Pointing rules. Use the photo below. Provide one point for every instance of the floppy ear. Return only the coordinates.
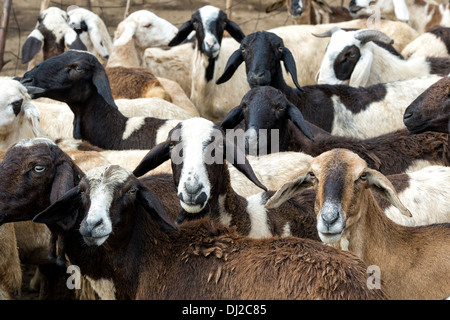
(150, 202)
(182, 34)
(289, 189)
(238, 159)
(96, 37)
(100, 81)
(275, 6)
(32, 46)
(32, 116)
(155, 157)
(401, 10)
(125, 33)
(234, 61)
(379, 183)
(234, 30)
(233, 118)
(289, 64)
(63, 208)
(361, 72)
(296, 117)
(73, 41)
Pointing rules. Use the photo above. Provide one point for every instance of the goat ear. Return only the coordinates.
(101, 82)
(97, 38)
(234, 30)
(182, 34)
(73, 41)
(290, 189)
(233, 63)
(323, 5)
(275, 6)
(32, 46)
(237, 158)
(379, 183)
(361, 72)
(233, 118)
(150, 202)
(296, 117)
(155, 157)
(65, 207)
(289, 64)
(124, 33)
(32, 116)
(401, 10)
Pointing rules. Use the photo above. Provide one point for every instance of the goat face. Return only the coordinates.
(385, 8)
(107, 198)
(71, 77)
(27, 173)
(13, 100)
(296, 8)
(266, 111)
(431, 110)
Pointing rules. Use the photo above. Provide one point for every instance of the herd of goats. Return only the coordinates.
(304, 162)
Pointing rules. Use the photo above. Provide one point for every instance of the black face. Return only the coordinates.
(346, 61)
(63, 76)
(431, 110)
(262, 55)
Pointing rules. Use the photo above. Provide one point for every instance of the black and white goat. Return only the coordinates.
(342, 110)
(204, 187)
(53, 34)
(395, 152)
(79, 79)
(353, 58)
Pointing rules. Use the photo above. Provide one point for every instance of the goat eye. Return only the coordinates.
(132, 191)
(148, 25)
(39, 169)
(363, 177)
(242, 50)
(280, 49)
(311, 175)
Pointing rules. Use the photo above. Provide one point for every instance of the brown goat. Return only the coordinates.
(146, 259)
(431, 110)
(10, 271)
(414, 261)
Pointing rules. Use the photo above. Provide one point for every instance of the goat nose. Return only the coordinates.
(192, 185)
(330, 217)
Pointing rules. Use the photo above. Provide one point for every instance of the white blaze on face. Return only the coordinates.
(208, 15)
(195, 134)
(103, 182)
(338, 41)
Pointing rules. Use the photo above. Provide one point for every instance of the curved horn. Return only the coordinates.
(372, 35)
(326, 34)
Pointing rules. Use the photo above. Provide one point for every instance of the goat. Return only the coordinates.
(421, 15)
(92, 31)
(349, 218)
(311, 11)
(97, 119)
(395, 152)
(205, 188)
(431, 110)
(53, 34)
(339, 109)
(18, 116)
(209, 24)
(352, 58)
(220, 263)
(433, 43)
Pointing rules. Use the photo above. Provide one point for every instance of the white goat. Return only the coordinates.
(353, 58)
(421, 15)
(433, 43)
(19, 118)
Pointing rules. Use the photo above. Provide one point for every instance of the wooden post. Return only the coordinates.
(3, 30)
(228, 10)
(127, 9)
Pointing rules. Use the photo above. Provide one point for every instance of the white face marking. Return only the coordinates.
(338, 41)
(259, 227)
(103, 181)
(195, 133)
(207, 15)
(133, 124)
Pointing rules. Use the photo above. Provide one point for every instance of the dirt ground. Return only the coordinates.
(249, 14)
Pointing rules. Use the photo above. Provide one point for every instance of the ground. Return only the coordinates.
(249, 14)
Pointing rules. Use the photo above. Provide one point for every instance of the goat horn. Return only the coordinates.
(372, 35)
(326, 34)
